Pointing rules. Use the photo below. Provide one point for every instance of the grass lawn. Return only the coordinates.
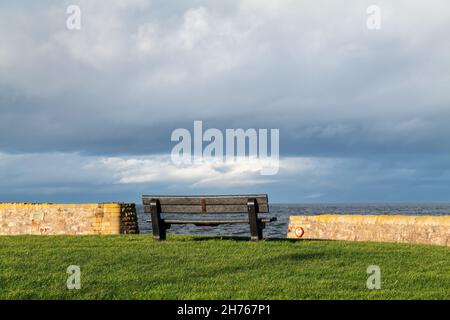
(195, 267)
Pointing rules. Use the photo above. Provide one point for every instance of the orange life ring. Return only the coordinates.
(299, 232)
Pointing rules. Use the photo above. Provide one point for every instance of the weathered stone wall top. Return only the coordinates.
(49, 218)
(384, 228)
(383, 219)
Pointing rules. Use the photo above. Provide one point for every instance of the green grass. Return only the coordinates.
(189, 267)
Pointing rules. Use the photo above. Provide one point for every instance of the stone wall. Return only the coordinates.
(384, 228)
(69, 219)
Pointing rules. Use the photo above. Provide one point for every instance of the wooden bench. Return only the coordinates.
(250, 204)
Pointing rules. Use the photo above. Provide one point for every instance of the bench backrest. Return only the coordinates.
(206, 204)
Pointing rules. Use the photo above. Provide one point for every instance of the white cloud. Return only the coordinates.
(195, 27)
(55, 168)
(242, 172)
(44, 177)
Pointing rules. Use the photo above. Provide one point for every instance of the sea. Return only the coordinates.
(278, 229)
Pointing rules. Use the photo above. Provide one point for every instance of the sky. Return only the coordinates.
(87, 115)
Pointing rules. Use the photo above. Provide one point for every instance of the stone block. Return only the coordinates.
(383, 228)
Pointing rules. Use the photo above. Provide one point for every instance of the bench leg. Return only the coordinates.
(158, 226)
(260, 230)
(255, 226)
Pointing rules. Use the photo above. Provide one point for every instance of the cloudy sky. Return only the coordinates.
(87, 115)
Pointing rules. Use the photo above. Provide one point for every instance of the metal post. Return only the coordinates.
(255, 228)
(159, 229)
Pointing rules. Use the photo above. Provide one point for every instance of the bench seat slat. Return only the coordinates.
(214, 222)
(223, 208)
(262, 199)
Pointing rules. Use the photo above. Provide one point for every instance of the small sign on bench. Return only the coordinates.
(252, 205)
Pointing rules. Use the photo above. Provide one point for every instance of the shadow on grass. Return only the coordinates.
(261, 265)
(247, 239)
(297, 257)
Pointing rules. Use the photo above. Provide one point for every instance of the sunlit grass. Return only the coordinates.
(194, 267)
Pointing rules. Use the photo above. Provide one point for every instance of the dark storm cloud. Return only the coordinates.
(125, 81)
(137, 70)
